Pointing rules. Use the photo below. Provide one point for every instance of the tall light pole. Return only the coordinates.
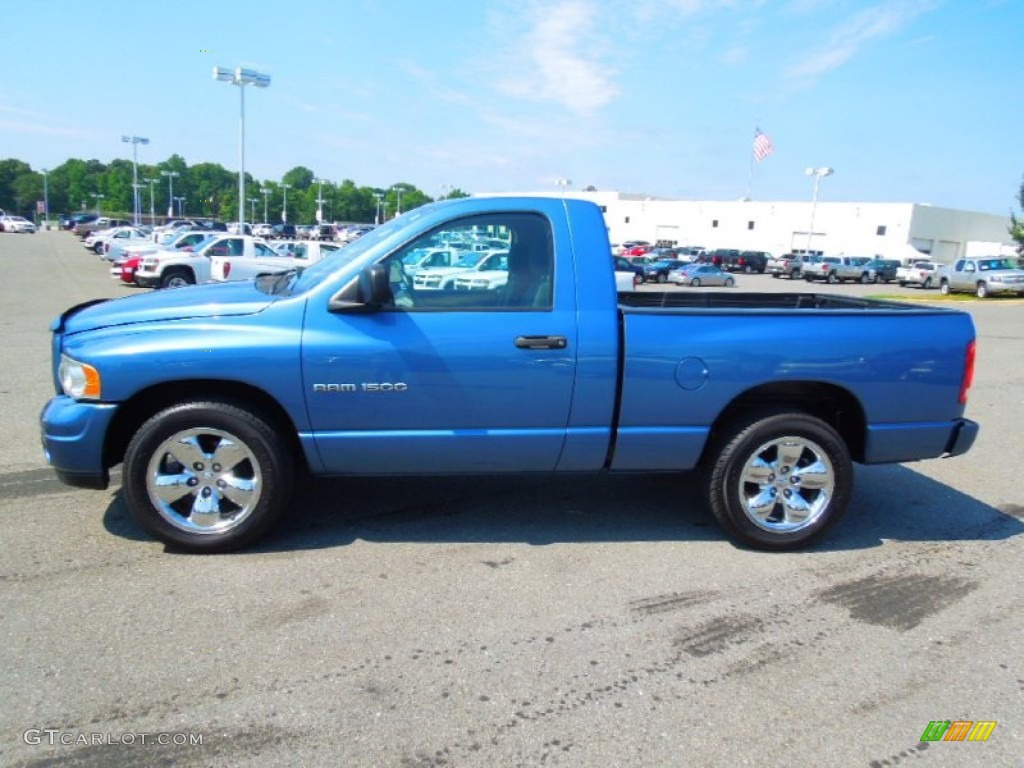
(152, 207)
(817, 173)
(398, 191)
(266, 198)
(135, 141)
(284, 209)
(562, 184)
(319, 200)
(46, 199)
(170, 191)
(181, 206)
(252, 211)
(98, 197)
(241, 78)
(379, 196)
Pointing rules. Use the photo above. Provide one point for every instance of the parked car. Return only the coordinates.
(921, 273)
(787, 265)
(657, 271)
(84, 228)
(443, 278)
(747, 261)
(882, 270)
(697, 275)
(284, 232)
(837, 269)
(622, 265)
(720, 256)
(263, 229)
(18, 224)
(100, 242)
(982, 277)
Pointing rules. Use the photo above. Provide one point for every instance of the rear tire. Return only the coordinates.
(207, 476)
(695, 282)
(944, 288)
(777, 480)
(729, 282)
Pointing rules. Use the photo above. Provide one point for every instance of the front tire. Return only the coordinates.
(981, 291)
(778, 480)
(207, 476)
(177, 278)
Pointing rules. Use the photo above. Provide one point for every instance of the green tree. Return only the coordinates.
(1017, 225)
(11, 196)
(300, 177)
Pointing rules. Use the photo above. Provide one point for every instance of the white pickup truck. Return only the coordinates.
(175, 269)
(290, 255)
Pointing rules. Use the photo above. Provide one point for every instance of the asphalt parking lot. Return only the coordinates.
(561, 622)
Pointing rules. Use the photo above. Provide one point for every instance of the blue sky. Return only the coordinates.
(909, 100)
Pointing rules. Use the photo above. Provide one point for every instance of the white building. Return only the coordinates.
(901, 231)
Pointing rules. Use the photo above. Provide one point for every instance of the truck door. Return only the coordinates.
(440, 381)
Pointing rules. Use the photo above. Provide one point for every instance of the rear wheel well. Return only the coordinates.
(834, 405)
(132, 413)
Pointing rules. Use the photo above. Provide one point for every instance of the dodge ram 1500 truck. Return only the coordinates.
(215, 396)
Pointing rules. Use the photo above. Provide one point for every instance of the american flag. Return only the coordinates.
(762, 145)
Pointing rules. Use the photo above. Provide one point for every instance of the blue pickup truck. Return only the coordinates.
(214, 397)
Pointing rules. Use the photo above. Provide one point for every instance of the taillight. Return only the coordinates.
(227, 269)
(968, 371)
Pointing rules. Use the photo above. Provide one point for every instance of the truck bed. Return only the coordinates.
(731, 300)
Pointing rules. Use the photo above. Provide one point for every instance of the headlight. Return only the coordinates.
(78, 380)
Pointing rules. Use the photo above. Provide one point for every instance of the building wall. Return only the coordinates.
(902, 231)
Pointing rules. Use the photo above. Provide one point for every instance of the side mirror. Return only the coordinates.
(373, 291)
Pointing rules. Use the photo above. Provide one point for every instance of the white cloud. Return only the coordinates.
(860, 29)
(558, 59)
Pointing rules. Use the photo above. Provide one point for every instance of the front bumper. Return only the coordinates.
(73, 435)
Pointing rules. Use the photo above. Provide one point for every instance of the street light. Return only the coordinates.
(320, 200)
(817, 173)
(379, 196)
(562, 184)
(46, 199)
(252, 209)
(398, 208)
(181, 206)
(266, 198)
(98, 198)
(241, 78)
(152, 209)
(170, 191)
(284, 209)
(135, 141)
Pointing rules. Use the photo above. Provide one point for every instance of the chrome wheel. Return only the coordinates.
(777, 480)
(786, 484)
(204, 481)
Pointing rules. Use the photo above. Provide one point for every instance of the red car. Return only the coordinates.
(125, 270)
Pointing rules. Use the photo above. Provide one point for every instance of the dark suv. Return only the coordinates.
(749, 261)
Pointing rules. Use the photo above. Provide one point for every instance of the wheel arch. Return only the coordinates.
(132, 413)
(836, 406)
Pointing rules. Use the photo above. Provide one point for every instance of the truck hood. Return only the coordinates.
(211, 300)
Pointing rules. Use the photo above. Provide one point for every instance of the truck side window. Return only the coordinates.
(496, 261)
